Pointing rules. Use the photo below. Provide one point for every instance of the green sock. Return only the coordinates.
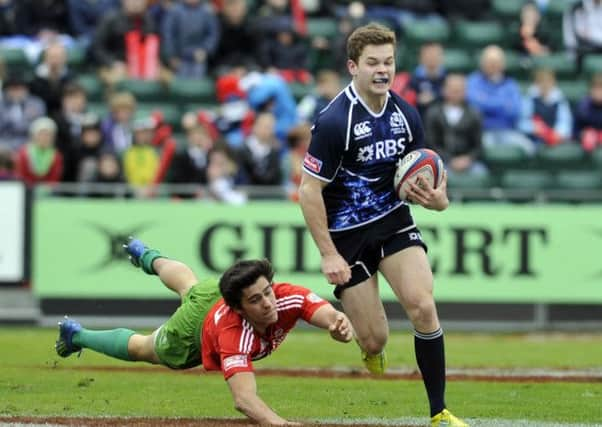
(147, 258)
(113, 342)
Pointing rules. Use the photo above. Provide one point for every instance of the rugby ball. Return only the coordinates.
(422, 162)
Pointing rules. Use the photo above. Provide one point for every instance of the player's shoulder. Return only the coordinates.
(336, 110)
(283, 290)
(405, 107)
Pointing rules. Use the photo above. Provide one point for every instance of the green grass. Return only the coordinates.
(34, 381)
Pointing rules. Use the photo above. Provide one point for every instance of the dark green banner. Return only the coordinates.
(484, 253)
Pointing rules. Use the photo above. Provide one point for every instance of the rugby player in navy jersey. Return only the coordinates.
(357, 221)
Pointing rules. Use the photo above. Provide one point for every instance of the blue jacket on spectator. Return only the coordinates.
(187, 28)
(84, 15)
(498, 102)
(587, 115)
(263, 89)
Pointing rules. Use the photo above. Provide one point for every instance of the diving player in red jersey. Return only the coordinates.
(222, 326)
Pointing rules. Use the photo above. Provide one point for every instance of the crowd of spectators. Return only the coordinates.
(254, 52)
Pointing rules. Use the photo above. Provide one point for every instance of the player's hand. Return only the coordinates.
(424, 194)
(336, 269)
(341, 329)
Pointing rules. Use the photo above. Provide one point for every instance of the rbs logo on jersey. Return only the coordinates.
(381, 150)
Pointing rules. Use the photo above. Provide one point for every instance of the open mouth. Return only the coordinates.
(382, 80)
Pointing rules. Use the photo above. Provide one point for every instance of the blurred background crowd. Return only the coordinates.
(215, 96)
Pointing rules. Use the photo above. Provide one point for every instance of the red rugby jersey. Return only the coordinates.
(230, 344)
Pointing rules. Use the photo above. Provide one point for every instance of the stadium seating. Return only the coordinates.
(507, 10)
(192, 91)
(568, 155)
(143, 90)
(422, 32)
(579, 180)
(592, 64)
(14, 59)
(559, 62)
(596, 157)
(470, 35)
(573, 90)
(322, 27)
(459, 61)
(502, 157)
(514, 179)
(92, 85)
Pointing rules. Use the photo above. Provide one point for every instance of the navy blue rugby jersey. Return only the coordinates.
(355, 151)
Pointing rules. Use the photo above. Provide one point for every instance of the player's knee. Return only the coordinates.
(374, 343)
(141, 348)
(421, 311)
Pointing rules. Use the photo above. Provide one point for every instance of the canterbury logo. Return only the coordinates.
(362, 129)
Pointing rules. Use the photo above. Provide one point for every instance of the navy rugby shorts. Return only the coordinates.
(364, 247)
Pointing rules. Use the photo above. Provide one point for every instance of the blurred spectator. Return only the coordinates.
(85, 15)
(190, 165)
(2, 73)
(354, 17)
(328, 86)
(9, 24)
(7, 164)
(69, 122)
(141, 160)
(427, 79)
(190, 36)
(546, 114)
(453, 129)
(43, 19)
(588, 116)
(18, 109)
(110, 176)
(282, 50)
(235, 117)
(582, 28)
(87, 150)
(38, 161)
(474, 10)
(221, 170)
(116, 127)
(532, 38)
(238, 38)
(401, 13)
(270, 92)
(298, 140)
(51, 76)
(497, 97)
(126, 44)
(260, 154)
(158, 10)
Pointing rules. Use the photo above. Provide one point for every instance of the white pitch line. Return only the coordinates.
(473, 422)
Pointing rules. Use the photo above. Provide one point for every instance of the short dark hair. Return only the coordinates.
(371, 34)
(242, 275)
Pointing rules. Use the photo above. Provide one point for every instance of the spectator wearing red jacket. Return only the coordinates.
(38, 161)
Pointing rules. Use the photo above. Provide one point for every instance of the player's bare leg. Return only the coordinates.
(363, 306)
(175, 275)
(410, 276)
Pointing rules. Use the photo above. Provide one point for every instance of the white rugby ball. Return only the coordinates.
(422, 162)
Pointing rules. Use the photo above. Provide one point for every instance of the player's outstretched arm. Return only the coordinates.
(334, 267)
(244, 392)
(336, 322)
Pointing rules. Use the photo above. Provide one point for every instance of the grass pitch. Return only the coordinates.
(34, 382)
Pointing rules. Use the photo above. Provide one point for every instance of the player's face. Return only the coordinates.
(374, 71)
(258, 303)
